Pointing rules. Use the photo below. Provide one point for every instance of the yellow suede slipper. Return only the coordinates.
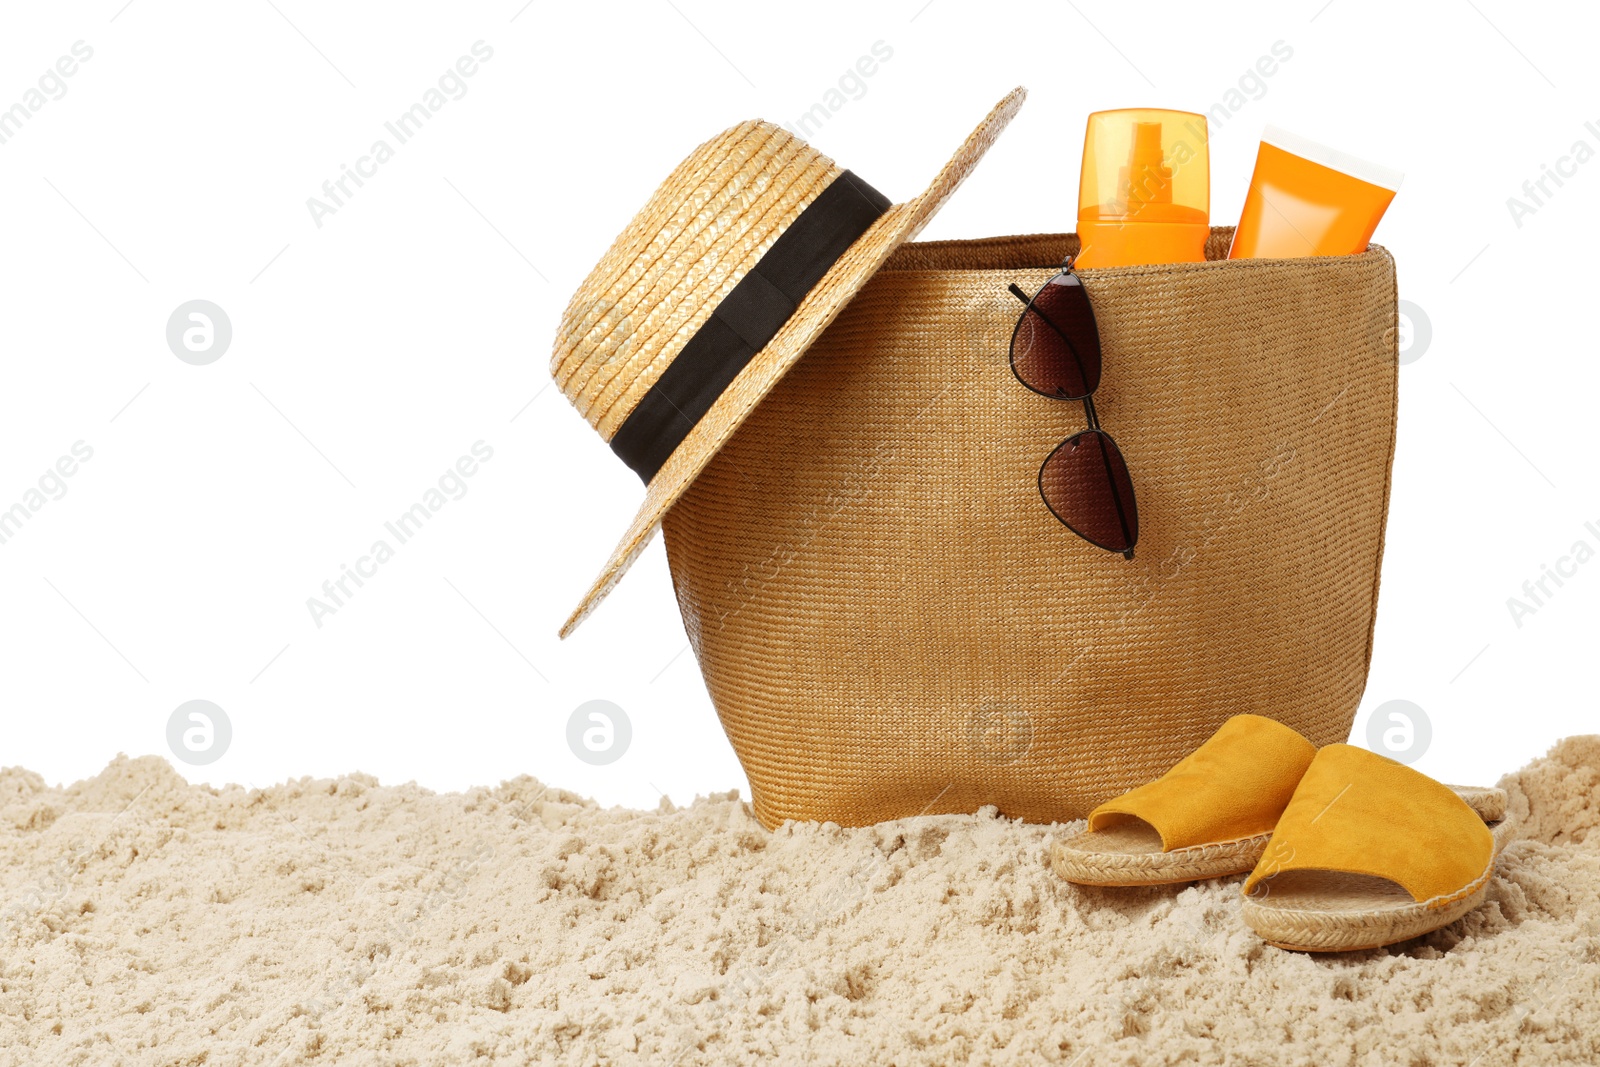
(1211, 816)
(1367, 853)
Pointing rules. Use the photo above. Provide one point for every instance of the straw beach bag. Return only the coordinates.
(891, 622)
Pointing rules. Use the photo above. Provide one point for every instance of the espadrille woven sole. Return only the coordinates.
(1487, 801)
(1329, 911)
(1130, 854)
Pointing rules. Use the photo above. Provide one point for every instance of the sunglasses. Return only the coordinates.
(1055, 351)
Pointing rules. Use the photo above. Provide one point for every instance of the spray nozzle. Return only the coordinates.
(1146, 179)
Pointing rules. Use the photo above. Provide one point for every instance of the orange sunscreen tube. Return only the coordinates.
(1145, 191)
(1307, 199)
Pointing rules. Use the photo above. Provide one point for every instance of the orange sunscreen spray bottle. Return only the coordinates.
(1307, 199)
(1145, 193)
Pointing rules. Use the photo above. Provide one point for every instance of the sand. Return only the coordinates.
(147, 921)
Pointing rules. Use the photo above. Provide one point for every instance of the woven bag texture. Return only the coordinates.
(891, 623)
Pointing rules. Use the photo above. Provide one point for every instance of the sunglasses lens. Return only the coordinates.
(1085, 482)
(1055, 349)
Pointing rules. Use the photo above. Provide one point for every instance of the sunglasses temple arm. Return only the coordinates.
(1015, 290)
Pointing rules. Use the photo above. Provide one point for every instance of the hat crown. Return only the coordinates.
(701, 231)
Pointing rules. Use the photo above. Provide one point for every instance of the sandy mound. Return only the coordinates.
(145, 921)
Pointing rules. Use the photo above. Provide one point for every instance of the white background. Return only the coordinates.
(368, 354)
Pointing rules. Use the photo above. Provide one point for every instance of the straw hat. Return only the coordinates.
(736, 264)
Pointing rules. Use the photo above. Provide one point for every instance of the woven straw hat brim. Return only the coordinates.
(899, 224)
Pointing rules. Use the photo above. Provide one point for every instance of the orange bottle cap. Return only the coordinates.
(1144, 166)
